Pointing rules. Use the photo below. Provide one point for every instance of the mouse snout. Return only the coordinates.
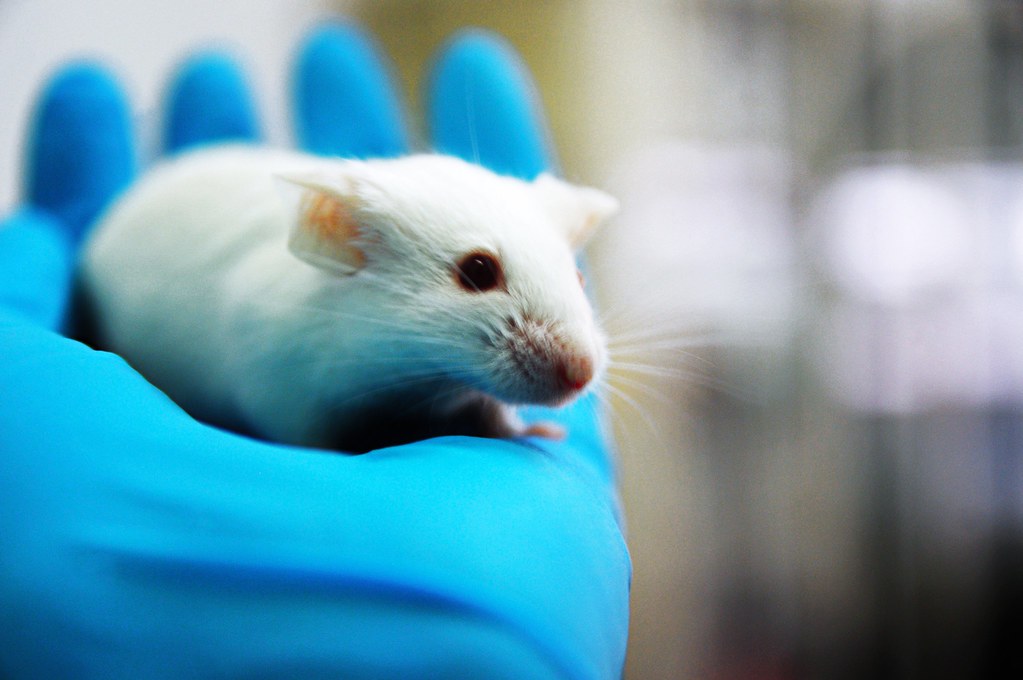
(547, 364)
(574, 371)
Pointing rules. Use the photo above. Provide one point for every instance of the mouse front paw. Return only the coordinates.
(499, 421)
(545, 430)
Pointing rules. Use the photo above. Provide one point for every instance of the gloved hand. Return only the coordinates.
(136, 542)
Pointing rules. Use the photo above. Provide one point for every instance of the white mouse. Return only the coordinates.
(348, 304)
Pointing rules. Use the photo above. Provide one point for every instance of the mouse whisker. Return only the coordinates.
(614, 393)
(684, 372)
(634, 385)
(616, 367)
(655, 337)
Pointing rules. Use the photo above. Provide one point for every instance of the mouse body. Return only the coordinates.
(348, 304)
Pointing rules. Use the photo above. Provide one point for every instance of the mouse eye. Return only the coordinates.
(478, 273)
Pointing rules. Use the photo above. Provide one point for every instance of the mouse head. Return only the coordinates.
(480, 268)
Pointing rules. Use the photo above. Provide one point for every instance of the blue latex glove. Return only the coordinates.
(136, 542)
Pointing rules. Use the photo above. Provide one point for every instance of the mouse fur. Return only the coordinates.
(348, 304)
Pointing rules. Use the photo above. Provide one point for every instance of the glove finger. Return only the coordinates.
(208, 101)
(345, 102)
(482, 106)
(36, 264)
(80, 151)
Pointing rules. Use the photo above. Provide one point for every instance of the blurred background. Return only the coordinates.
(815, 288)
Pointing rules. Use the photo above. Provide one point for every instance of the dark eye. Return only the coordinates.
(478, 273)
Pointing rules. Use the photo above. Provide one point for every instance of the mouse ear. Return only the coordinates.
(324, 229)
(578, 210)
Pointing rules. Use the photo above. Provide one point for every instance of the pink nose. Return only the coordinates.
(575, 372)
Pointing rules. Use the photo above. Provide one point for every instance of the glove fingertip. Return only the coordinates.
(484, 107)
(208, 101)
(81, 151)
(344, 98)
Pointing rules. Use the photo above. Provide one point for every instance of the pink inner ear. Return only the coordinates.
(330, 222)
